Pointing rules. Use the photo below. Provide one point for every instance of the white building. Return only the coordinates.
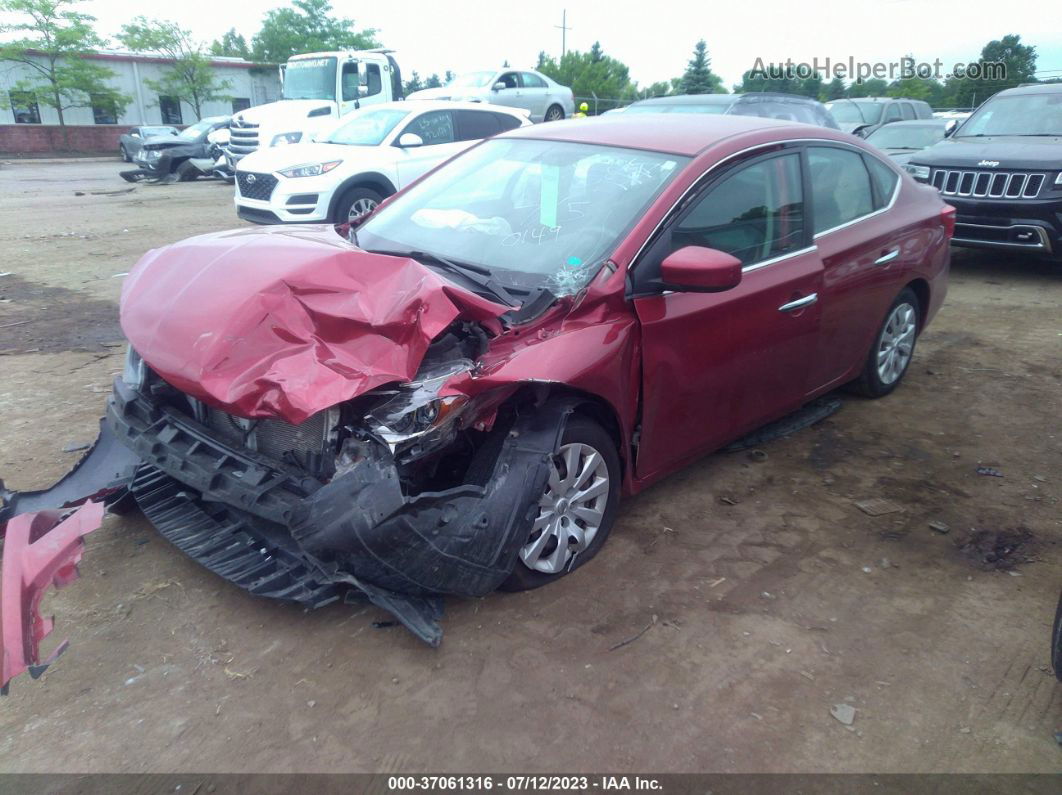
(250, 84)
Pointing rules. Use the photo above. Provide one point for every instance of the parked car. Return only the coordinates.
(769, 105)
(129, 143)
(541, 96)
(452, 396)
(168, 157)
(864, 115)
(1002, 171)
(902, 139)
(366, 158)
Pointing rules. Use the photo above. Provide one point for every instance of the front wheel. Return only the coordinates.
(575, 511)
(355, 203)
(554, 113)
(893, 347)
(125, 154)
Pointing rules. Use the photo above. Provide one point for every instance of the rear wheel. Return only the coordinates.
(554, 113)
(893, 347)
(575, 511)
(355, 203)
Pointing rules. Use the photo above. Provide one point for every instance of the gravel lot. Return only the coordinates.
(769, 595)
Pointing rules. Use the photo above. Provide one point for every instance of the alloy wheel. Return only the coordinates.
(360, 207)
(570, 510)
(896, 343)
(554, 114)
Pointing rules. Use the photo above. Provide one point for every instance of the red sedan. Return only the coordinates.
(451, 396)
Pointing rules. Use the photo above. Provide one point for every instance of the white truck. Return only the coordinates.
(318, 89)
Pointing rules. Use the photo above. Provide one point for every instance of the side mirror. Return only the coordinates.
(499, 86)
(695, 269)
(407, 140)
(950, 127)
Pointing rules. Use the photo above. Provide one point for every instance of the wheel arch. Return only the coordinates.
(920, 287)
(373, 180)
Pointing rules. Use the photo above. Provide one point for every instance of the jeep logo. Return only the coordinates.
(989, 163)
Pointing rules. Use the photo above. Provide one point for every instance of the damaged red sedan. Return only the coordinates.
(452, 395)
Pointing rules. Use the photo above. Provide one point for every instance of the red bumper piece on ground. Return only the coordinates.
(39, 551)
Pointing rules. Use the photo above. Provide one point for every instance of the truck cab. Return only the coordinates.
(318, 89)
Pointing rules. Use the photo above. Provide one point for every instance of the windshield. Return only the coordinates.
(654, 107)
(1023, 114)
(536, 213)
(149, 131)
(366, 128)
(192, 133)
(472, 80)
(850, 112)
(902, 136)
(310, 78)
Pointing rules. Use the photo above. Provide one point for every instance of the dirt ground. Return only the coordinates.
(769, 595)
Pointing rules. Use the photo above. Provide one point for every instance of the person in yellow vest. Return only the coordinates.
(583, 108)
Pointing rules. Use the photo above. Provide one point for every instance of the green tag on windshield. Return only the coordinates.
(547, 208)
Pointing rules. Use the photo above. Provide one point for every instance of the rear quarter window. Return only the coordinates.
(884, 180)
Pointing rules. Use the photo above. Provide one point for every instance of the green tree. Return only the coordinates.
(190, 77)
(589, 74)
(699, 78)
(1019, 61)
(433, 81)
(309, 27)
(53, 37)
(413, 84)
(874, 87)
(833, 90)
(232, 45)
(448, 77)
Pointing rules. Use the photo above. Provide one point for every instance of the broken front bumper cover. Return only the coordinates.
(277, 532)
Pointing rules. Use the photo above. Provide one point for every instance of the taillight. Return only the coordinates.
(947, 216)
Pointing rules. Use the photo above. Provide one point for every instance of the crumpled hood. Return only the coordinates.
(285, 322)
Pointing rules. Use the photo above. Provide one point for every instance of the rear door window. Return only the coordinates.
(892, 113)
(840, 186)
(475, 124)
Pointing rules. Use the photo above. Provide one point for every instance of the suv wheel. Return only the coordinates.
(577, 509)
(356, 202)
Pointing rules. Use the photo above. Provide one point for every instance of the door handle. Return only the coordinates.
(887, 257)
(799, 303)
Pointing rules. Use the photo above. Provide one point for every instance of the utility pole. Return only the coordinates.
(564, 31)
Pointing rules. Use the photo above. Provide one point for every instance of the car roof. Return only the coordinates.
(420, 106)
(1042, 88)
(878, 99)
(690, 99)
(683, 134)
(918, 123)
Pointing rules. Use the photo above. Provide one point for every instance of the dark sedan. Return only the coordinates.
(129, 143)
(902, 139)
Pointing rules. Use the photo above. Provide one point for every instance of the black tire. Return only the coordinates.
(1056, 642)
(186, 172)
(352, 196)
(870, 383)
(579, 429)
(554, 113)
(125, 154)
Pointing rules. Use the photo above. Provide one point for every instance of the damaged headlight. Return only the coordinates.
(414, 416)
(135, 370)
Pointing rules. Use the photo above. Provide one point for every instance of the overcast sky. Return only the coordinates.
(653, 38)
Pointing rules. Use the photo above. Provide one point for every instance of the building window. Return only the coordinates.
(170, 107)
(240, 103)
(24, 107)
(104, 110)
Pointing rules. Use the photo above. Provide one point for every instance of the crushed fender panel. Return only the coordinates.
(41, 550)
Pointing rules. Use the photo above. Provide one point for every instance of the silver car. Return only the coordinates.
(540, 96)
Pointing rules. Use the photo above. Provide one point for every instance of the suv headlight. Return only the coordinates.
(286, 138)
(918, 172)
(310, 170)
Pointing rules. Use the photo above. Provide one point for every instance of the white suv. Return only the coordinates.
(371, 154)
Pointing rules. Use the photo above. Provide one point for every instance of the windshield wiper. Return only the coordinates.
(476, 274)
